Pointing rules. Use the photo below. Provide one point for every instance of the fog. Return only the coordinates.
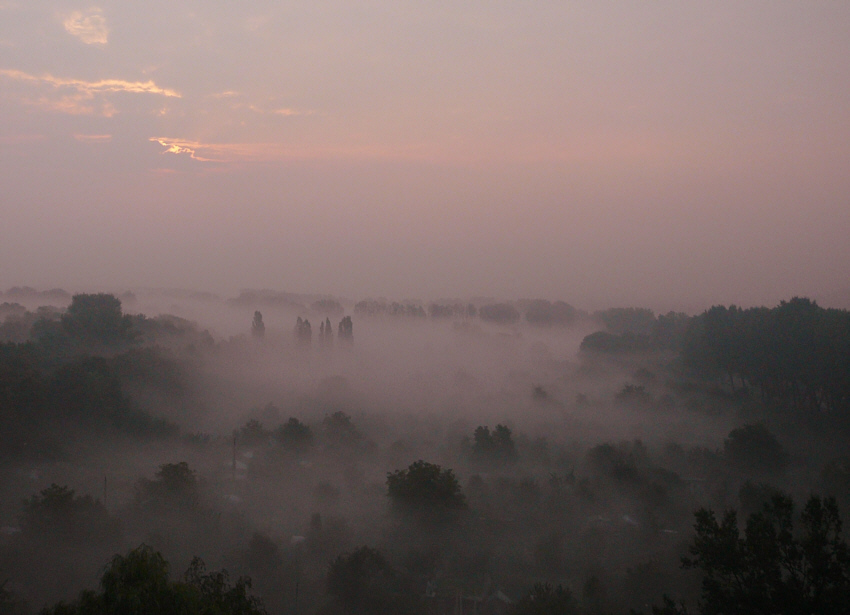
(580, 444)
(576, 284)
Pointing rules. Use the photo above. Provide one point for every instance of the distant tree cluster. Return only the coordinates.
(544, 313)
(796, 353)
(456, 309)
(369, 307)
(495, 446)
(55, 296)
(634, 330)
(623, 320)
(140, 582)
(499, 313)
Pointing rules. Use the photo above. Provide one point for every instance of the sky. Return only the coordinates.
(672, 155)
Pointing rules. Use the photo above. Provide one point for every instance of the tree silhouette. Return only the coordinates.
(139, 583)
(258, 327)
(364, 582)
(97, 319)
(425, 487)
(772, 568)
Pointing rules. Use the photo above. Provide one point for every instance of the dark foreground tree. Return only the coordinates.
(772, 569)
(363, 582)
(544, 599)
(139, 583)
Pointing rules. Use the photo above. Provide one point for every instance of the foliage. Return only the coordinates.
(139, 583)
(602, 341)
(364, 582)
(97, 319)
(500, 313)
(772, 569)
(544, 599)
(542, 312)
(497, 446)
(634, 394)
(796, 353)
(455, 309)
(10, 604)
(752, 448)
(89, 391)
(627, 320)
(59, 513)
(258, 327)
(175, 487)
(425, 487)
(294, 435)
(340, 431)
(345, 330)
(369, 307)
(252, 433)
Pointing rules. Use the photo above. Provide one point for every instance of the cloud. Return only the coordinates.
(89, 28)
(92, 87)
(226, 94)
(210, 152)
(79, 97)
(277, 152)
(93, 138)
(286, 111)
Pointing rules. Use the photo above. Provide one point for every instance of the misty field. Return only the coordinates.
(452, 456)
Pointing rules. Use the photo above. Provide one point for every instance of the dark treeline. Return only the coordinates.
(796, 353)
(563, 500)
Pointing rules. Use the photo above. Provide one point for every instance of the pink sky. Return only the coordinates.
(672, 155)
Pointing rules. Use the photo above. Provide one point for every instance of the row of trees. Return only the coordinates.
(796, 353)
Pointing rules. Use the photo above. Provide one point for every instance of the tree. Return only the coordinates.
(425, 487)
(294, 435)
(631, 320)
(497, 446)
(57, 512)
(97, 319)
(340, 430)
(345, 330)
(544, 599)
(258, 327)
(363, 582)
(252, 433)
(139, 583)
(752, 448)
(500, 313)
(303, 331)
(541, 312)
(175, 487)
(772, 568)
